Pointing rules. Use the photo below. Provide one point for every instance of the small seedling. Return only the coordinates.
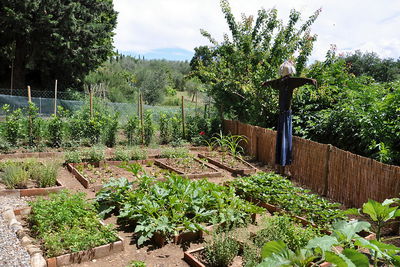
(150, 163)
(90, 167)
(79, 168)
(92, 181)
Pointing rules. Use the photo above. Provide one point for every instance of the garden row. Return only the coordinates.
(24, 128)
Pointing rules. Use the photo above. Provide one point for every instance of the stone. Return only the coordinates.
(37, 260)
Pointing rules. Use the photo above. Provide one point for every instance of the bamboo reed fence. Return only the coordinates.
(337, 174)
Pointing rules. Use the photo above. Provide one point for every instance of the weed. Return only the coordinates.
(137, 264)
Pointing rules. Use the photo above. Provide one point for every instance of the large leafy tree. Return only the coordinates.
(254, 54)
(62, 39)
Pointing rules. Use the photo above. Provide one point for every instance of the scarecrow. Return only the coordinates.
(285, 85)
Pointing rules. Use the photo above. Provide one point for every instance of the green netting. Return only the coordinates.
(45, 105)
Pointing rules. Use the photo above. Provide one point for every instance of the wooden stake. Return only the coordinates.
(91, 102)
(141, 116)
(183, 119)
(55, 99)
(29, 94)
(209, 107)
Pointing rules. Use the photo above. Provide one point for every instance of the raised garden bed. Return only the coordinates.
(190, 167)
(101, 172)
(228, 162)
(76, 257)
(32, 191)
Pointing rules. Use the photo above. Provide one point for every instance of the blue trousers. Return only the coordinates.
(283, 152)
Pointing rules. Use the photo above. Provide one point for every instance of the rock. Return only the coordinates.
(37, 260)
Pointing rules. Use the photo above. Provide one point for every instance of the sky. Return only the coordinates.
(170, 29)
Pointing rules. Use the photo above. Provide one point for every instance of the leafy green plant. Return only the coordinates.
(174, 205)
(148, 127)
(121, 154)
(135, 263)
(67, 222)
(380, 213)
(276, 190)
(95, 154)
(134, 168)
(175, 152)
(74, 156)
(112, 126)
(56, 127)
(138, 153)
(221, 248)
(11, 125)
(132, 130)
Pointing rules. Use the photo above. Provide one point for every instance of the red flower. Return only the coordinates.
(202, 133)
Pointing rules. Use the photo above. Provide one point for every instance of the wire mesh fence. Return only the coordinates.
(73, 101)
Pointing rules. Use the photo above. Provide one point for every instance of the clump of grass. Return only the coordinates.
(15, 176)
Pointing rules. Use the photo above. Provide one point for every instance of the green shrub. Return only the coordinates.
(132, 130)
(12, 125)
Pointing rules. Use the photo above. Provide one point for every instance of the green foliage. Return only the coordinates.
(74, 156)
(174, 152)
(67, 223)
(121, 154)
(74, 38)
(57, 127)
(136, 264)
(198, 129)
(11, 125)
(15, 176)
(352, 113)
(369, 64)
(46, 174)
(276, 190)
(111, 130)
(239, 66)
(96, 153)
(148, 127)
(138, 153)
(221, 249)
(132, 130)
(174, 205)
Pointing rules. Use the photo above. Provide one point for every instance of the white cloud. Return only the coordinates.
(145, 26)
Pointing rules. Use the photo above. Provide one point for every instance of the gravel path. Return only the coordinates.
(11, 253)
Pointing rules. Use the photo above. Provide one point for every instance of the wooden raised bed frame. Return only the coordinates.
(249, 170)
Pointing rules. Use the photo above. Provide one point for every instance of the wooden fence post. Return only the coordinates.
(328, 155)
(183, 119)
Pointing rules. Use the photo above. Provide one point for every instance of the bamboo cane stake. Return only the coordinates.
(141, 116)
(55, 99)
(183, 119)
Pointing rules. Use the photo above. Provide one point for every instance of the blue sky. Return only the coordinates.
(170, 29)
